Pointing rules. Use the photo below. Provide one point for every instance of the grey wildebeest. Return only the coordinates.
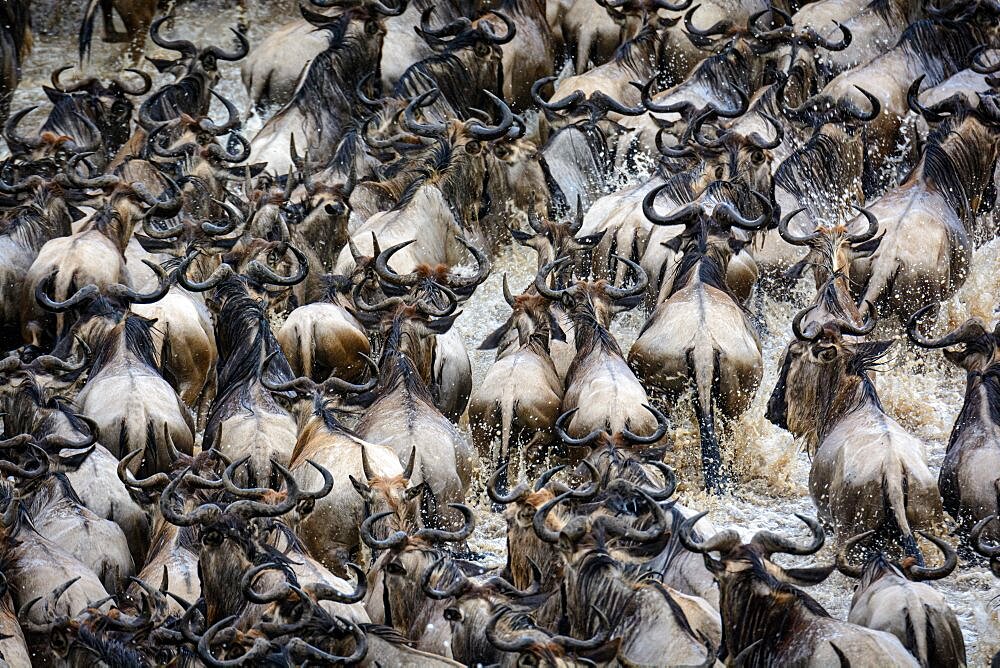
(721, 354)
(789, 627)
(867, 471)
(969, 474)
(519, 397)
(894, 597)
(601, 390)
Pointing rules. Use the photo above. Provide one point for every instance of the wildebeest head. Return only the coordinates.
(878, 565)
(552, 239)
(832, 248)
(108, 105)
(971, 345)
(532, 317)
(597, 300)
(739, 560)
(824, 372)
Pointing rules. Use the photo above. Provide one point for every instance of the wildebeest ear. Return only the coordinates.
(805, 577)
(442, 325)
(674, 244)
(630, 302)
(590, 240)
(520, 236)
(363, 490)
(53, 94)
(555, 331)
(453, 614)
(796, 271)
(495, 337)
(161, 64)
(240, 173)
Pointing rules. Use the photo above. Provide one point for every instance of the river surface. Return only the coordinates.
(922, 391)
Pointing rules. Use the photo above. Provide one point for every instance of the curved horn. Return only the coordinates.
(570, 100)
(722, 542)
(772, 543)
(203, 514)
(729, 213)
(513, 496)
(538, 520)
(233, 118)
(814, 330)
(566, 438)
(395, 540)
(49, 304)
(263, 274)
(454, 590)
(238, 54)
(155, 481)
(55, 442)
(785, 234)
(979, 543)
(541, 280)
(509, 26)
(440, 535)
(967, 332)
(222, 272)
(869, 232)
(127, 294)
(779, 134)
(182, 46)
(661, 429)
(16, 141)
(141, 89)
(324, 592)
(490, 132)
(638, 288)
(388, 275)
(425, 99)
(844, 564)
(679, 216)
(921, 573)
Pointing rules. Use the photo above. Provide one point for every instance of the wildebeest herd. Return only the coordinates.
(241, 426)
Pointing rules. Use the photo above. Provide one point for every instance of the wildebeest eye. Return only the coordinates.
(208, 61)
(757, 157)
(482, 50)
(371, 27)
(453, 614)
(211, 538)
(395, 569)
(720, 172)
(473, 147)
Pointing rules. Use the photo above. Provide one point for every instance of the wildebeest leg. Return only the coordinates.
(110, 34)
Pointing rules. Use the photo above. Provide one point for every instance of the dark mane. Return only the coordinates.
(957, 164)
(818, 173)
(244, 338)
(187, 96)
(326, 90)
(893, 12)
(764, 621)
(136, 338)
(869, 357)
(458, 73)
(396, 367)
(704, 267)
(940, 47)
(638, 54)
(31, 224)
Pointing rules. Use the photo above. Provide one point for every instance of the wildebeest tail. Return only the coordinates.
(895, 490)
(87, 28)
(704, 373)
